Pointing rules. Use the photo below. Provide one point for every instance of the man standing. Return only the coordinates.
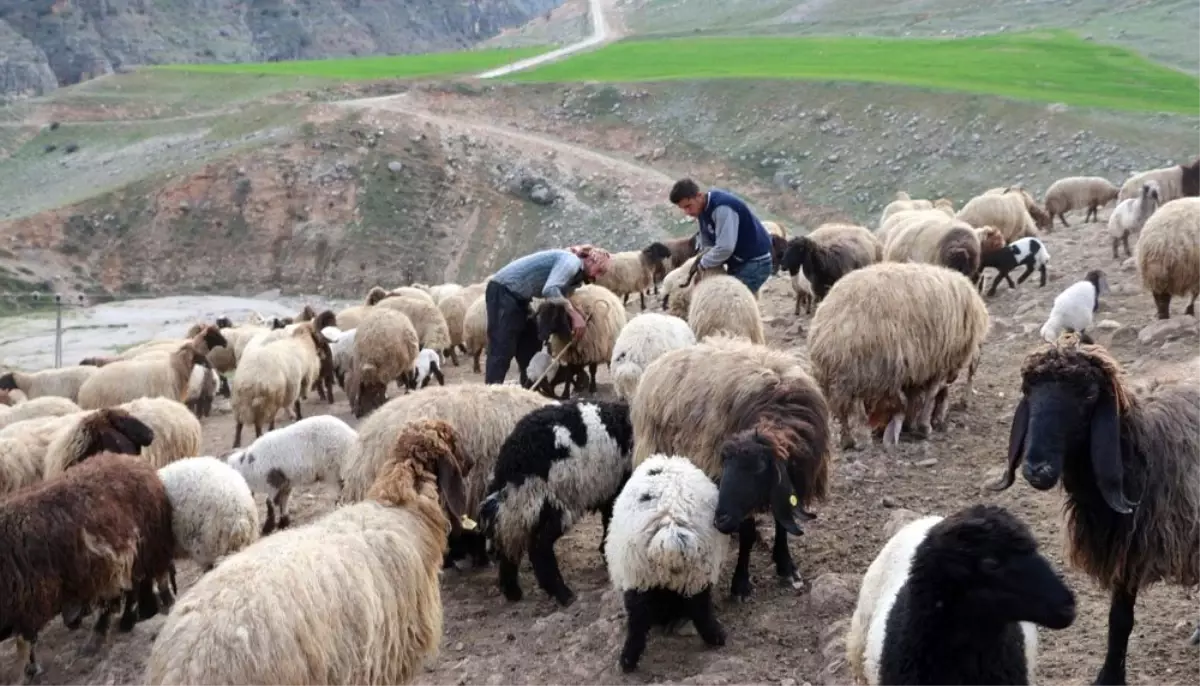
(727, 225)
(550, 274)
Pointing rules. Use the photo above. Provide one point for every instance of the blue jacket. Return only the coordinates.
(753, 241)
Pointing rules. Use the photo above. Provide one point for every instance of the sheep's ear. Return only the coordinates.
(134, 429)
(453, 488)
(785, 504)
(1106, 454)
(1016, 446)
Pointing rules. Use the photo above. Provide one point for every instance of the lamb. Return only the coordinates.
(940, 240)
(1177, 181)
(213, 513)
(45, 406)
(644, 339)
(1007, 212)
(723, 304)
(154, 375)
(1028, 252)
(1168, 254)
(1077, 192)
(559, 463)
(1128, 456)
(1074, 307)
(483, 417)
(89, 537)
(427, 368)
(892, 334)
(756, 423)
(475, 332)
(341, 349)
(1130, 216)
(203, 383)
(605, 317)
(982, 561)
(62, 383)
(634, 271)
(385, 347)
(311, 450)
(352, 598)
(454, 311)
(664, 554)
(826, 255)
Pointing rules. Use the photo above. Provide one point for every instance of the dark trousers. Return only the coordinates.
(511, 332)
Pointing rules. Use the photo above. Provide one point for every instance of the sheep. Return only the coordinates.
(723, 304)
(779, 247)
(276, 376)
(213, 513)
(482, 415)
(473, 292)
(352, 598)
(432, 329)
(756, 423)
(1007, 212)
(634, 271)
(664, 554)
(176, 433)
(203, 336)
(427, 367)
(454, 311)
(410, 292)
(1130, 216)
(1168, 254)
(559, 463)
(1028, 252)
(1077, 192)
(675, 282)
(644, 339)
(938, 239)
(1128, 456)
(89, 537)
(62, 383)
(45, 406)
(903, 218)
(803, 290)
(605, 317)
(154, 375)
(827, 254)
(311, 450)
(385, 347)
(203, 383)
(983, 563)
(893, 333)
(902, 202)
(1177, 181)
(475, 331)
(1074, 307)
(341, 348)
(678, 285)
(98, 360)
(682, 249)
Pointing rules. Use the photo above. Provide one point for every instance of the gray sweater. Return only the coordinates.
(726, 221)
(545, 274)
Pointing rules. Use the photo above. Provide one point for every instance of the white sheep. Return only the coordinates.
(63, 383)
(645, 338)
(427, 367)
(299, 454)
(201, 389)
(664, 554)
(1130, 216)
(341, 345)
(213, 513)
(1074, 307)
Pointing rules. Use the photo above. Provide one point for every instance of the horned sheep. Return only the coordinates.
(1078, 192)
(664, 553)
(1168, 254)
(644, 339)
(891, 335)
(756, 423)
(559, 463)
(353, 597)
(1128, 456)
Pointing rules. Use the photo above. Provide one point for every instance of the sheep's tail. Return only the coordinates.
(673, 546)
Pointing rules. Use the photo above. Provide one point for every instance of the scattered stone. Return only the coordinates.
(888, 501)
(395, 167)
(1125, 335)
(1129, 265)
(832, 592)
(897, 519)
(927, 462)
(1165, 330)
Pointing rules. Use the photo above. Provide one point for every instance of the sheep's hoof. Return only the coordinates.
(742, 588)
(921, 432)
(33, 673)
(681, 627)
(797, 582)
(628, 664)
(565, 598)
(938, 425)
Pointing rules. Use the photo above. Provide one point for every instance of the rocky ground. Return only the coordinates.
(780, 636)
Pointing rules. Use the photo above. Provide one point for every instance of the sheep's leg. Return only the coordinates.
(541, 553)
(100, 630)
(625, 299)
(797, 312)
(1042, 276)
(642, 299)
(165, 598)
(1093, 214)
(129, 616)
(843, 421)
(785, 567)
(1062, 216)
(281, 500)
(747, 534)
(1162, 302)
(437, 373)
(453, 356)
(1120, 625)
(237, 433)
(704, 617)
(509, 579)
(1191, 308)
(606, 513)
(269, 525)
(26, 648)
(638, 618)
(1028, 270)
(891, 435)
(299, 416)
(475, 362)
(929, 401)
(940, 408)
(477, 547)
(147, 602)
(592, 379)
(1000, 276)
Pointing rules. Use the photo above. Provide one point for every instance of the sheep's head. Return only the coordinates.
(1151, 192)
(426, 455)
(1069, 421)
(988, 561)
(324, 320)
(210, 336)
(375, 295)
(779, 246)
(365, 389)
(657, 252)
(306, 314)
(1098, 280)
(553, 320)
(990, 240)
(754, 475)
(795, 254)
(224, 323)
(8, 382)
(111, 430)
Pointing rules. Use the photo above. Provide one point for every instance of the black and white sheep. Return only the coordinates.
(663, 552)
(559, 463)
(1128, 457)
(954, 600)
(1027, 252)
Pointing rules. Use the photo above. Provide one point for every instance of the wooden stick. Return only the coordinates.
(587, 320)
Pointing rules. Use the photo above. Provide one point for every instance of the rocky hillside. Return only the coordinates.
(52, 43)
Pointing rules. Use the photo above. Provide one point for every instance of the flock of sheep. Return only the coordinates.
(103, 491)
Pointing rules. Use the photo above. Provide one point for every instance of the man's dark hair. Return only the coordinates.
(683, 189)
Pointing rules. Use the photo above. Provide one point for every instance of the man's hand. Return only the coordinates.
(578, 324)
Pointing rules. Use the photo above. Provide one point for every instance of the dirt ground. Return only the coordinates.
(781, 636)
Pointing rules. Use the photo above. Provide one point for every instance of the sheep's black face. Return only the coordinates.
(553, 320)
(370, 397)
(1058, 423)
(748, 476)
(214, 339)
(793, 257)
(986, 563)
(8, 382)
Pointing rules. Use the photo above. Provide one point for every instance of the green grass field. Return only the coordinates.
(1047, 66)
(383, 67)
